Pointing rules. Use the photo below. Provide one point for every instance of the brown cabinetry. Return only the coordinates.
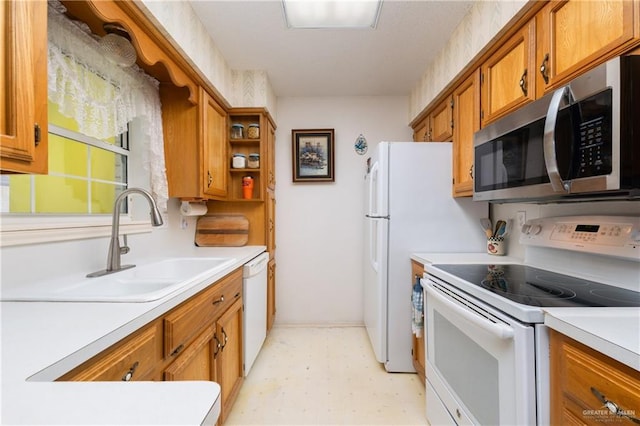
(23, 87)
(133, 358)
(507, 75)
(195, 144)
(271, 293)
(437, 126)
(201, 339)
(466, 116)
(574, 36)
(417, 350)
(585, 385)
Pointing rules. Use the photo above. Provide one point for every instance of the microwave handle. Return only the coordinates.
(549, 139)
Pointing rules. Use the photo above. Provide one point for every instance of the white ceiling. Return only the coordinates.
(390, 60)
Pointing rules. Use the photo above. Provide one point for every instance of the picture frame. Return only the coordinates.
(313, 155)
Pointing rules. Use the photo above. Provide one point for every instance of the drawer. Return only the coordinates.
(580, 371)
(186, 321)
(133, 358)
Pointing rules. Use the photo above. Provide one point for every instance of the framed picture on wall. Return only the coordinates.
(313, 158)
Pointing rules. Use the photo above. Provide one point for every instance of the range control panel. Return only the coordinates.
(609, 235)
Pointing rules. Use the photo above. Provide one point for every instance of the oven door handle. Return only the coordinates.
(501, 331)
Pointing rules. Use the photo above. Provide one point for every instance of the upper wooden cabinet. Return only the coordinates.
(23, 87)
(466, 116)
(213, 121)
(574, 36)
(507, 76)
(437, 126)
(195, 144)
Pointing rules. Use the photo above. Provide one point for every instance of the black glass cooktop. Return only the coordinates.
(537, 287)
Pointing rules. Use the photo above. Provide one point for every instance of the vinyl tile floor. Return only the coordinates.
(325, 376)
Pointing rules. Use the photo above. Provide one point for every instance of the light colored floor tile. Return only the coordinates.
(325, 376)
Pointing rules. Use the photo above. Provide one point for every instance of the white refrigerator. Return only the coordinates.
(409, 208)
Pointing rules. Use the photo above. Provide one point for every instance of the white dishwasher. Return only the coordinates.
(254, 282)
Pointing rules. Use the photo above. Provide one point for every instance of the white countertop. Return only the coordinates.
(479, 257)
(40, 341)
(614, 332)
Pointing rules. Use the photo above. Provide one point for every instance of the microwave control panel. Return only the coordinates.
(610, 235)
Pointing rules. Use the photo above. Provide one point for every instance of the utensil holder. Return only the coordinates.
(496, 246)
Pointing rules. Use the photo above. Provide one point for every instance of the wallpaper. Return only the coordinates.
(180, 24)
(483, 21)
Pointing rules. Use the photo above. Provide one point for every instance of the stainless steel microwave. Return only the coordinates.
(581, 142)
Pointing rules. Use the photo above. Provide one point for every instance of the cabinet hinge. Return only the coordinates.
(452, 124)
(481, 78)
(481, 114)
(36, 134)
(451, 103)
(453, 181)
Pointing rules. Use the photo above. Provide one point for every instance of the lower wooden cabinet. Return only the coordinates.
(271, 293)
(586, 385)
(229, 363)
(134, 358)
(417, 350)
(201, 339)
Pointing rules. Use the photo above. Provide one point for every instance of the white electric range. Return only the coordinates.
(486, 342)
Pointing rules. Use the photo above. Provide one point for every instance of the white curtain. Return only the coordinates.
(103, 111)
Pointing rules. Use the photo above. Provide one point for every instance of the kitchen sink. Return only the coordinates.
(144, 283)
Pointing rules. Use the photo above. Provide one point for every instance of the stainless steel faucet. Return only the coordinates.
(113, 257)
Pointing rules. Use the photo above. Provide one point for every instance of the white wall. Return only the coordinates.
(319, 237)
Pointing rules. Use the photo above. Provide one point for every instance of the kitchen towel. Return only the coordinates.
(417, 302)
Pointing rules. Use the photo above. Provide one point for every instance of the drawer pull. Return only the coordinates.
(237, 295)
(613, 407)
(177, 350)
(129, 374)
(215, 302)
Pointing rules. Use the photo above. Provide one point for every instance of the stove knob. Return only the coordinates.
(525, 228)
(536, 229)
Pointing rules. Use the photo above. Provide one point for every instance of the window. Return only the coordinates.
(85, 174)
(90, 101)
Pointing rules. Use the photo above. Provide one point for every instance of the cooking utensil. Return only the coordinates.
(501, 226)
(487, 227)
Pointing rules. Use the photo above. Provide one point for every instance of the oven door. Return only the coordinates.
(480, 363)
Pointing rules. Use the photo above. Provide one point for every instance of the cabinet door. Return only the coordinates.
(214, 137)
(271, 223)
(229, 362)
(418, 349)
(507, 76)
(466, 116)
(574, 35)
(271, 293)
(23, 87)
(271, 155)
(421, 131)
(580, 376)
(197, 360)
(441, 122)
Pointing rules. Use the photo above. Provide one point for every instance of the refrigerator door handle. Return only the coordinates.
(373, 244)
(373, 189)
(376, 217)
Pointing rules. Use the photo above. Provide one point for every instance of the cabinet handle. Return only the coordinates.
(218, 346)
(209, 179)
(613, 407)
(523, 82)
(177, 350)
(544, 68)
(471, 171)
(236, 295)
(129, 374)
(226, 339)
(215, 302)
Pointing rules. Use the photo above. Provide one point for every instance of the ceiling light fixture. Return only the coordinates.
(116, 46)
(316, 14)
